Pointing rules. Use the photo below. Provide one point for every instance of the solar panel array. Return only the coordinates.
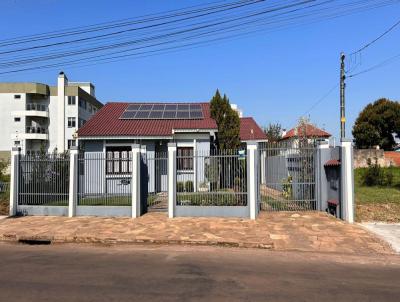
(162, 111)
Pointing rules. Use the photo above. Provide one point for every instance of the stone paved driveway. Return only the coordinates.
(280, 231)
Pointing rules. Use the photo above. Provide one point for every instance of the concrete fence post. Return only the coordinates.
(73, 181)
(171, 179)
(14, 180)
(135, 182)
(320, 177)
(347, 180)
(252, 178)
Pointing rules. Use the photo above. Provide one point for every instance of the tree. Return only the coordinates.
(273, 132)
(376, 123)
(228, 122)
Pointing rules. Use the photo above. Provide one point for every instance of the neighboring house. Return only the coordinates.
(35, 116)
(396, 139)
(117, 126)
(311, 132)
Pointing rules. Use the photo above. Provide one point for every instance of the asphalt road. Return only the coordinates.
(145, 273)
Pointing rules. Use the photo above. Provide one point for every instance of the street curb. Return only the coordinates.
(14, 238)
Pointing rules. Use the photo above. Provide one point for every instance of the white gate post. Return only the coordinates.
(320, 192)
(135, 182)
(15, 152)
(252, 178)
(347, 180)
(171, 179)
(73, 181)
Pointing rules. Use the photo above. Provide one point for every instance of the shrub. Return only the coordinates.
(189, 186)
(287, 187)
(180, 186)
(375, 175)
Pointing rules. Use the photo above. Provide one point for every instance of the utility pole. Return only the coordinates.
(342, 97)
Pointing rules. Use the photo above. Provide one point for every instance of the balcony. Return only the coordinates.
(34, 110)
(39, 133)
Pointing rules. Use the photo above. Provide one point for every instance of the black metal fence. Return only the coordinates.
(287, 176)
(43, 179)
(104, 179)
(154, 177)
(212, 178)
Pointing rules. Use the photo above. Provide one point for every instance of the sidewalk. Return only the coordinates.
(280, 231)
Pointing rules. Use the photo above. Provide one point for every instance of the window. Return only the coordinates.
(17, 96)
(82, 103)
(17, 119)
(185, 158)
(71, 122)
(118, 160)
(17, 143)
(81, 122)
(71, 100)
(71, 143)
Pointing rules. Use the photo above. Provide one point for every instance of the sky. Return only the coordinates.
(274, 77)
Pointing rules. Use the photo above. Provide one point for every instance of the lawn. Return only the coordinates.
(377, 203)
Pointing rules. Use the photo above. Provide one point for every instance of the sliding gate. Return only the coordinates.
(287, 176)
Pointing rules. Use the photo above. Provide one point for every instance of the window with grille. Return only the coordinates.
(71, 100)
(119, 160)
(71, 122)
(185, 158)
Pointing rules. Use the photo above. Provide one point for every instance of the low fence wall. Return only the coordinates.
(361, 157)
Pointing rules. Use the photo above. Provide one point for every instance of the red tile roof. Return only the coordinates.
(311, 131)
(249, 130)
(107, 122)
(332, 163)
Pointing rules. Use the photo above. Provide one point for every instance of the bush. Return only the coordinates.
(189, 186)
(180, 186)
(375, 175)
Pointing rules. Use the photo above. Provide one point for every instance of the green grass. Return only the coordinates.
(211, 199)
(377, 194)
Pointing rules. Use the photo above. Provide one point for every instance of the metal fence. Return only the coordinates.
(104, 179)
(4, 187)
(43, 180)
(211, 178)
(154, 177)
(287, 176)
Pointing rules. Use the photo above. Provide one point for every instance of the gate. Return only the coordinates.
(154, 180)
(287, 176)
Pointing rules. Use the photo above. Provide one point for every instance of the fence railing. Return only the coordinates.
(38, 130)
(4, 187)
(104, 179)
(212, 178)
(43, 180)
(36, 107)
(154, 177)
(287, 176)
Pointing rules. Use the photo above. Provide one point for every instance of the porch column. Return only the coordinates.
(347, 180)
(171, 179)
(135, 182)
(14, 180)
(73, 181)
(252, 180)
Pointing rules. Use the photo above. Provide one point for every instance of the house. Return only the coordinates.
(117, 126)
(36, 116)
(309, 131)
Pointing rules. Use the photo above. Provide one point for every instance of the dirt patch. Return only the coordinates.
(384, 212)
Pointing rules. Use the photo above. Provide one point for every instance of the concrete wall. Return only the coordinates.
(361, 156)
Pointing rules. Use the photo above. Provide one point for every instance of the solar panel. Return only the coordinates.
(133, 107)
(156, 114)
(128, 115)
(196, 114)
(195, 107)
(169, 115)
(163, 111)
(182, 114)
(142, 115)
(183, 107)
(146, 107)
(170, 107)
(159, 107)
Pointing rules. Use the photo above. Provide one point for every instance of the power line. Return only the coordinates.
(377, 66)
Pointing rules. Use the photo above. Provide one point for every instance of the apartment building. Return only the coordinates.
(37, 116)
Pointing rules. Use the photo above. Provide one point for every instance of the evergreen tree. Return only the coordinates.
(227, 120)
